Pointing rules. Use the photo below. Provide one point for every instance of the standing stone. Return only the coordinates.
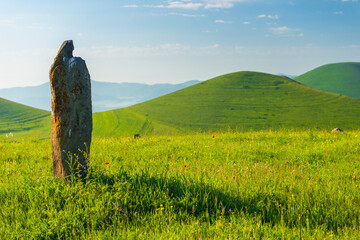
(71, 113)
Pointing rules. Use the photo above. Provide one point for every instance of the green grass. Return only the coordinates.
(22, 121)
(123, 122)
(243, 101)
(341, 78)
(250, 100)
(232, 185)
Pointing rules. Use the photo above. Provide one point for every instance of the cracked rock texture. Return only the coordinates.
(71, 113)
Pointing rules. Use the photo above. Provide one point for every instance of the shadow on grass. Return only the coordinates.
(186, 198)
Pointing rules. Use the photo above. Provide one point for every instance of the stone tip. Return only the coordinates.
(66, 49)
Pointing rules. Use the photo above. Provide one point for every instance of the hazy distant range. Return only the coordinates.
(105, 95)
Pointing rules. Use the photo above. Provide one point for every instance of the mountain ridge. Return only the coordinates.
(105, 95)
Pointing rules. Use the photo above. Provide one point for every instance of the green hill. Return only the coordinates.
(17, 120)
(244, 101)
(341, 78)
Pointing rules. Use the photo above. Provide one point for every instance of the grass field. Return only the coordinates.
(22, 121)
(243, 101)
(286, 184)
(341, 78)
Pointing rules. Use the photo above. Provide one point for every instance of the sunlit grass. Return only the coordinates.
(232, 185)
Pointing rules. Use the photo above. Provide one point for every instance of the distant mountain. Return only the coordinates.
(287, 75)
(242, 100)
(105, 95)
(341, 78)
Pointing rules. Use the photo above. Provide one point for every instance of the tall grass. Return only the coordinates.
(231, 185)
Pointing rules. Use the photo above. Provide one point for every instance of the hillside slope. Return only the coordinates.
(23, 121)
(243, 100)
(251, 100)
(341, 78)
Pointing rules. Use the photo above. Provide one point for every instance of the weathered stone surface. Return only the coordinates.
(71, 113)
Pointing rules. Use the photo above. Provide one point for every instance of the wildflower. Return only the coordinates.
(213, 136)
(327, 131)
(185, 165)
(107, 163)
(233, 177)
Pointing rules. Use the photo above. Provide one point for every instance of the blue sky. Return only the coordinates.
(155, 41)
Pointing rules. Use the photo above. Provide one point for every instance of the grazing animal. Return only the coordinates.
(136, 136)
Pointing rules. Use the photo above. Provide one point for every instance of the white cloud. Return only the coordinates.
(281, 29)
(186, 15)
(285, 31)
(349, 0)
(246, 23)
(155, 6)
(222, 21)
(131, 6)
(189, 4)
(339, 13)
(221, 3)
(178, 4)
(183, 5)
(273, 16)
(268, 16)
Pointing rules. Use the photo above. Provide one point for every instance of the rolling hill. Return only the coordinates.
(341, 78)
(241, 100)
(17, 120)
(244, 101)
